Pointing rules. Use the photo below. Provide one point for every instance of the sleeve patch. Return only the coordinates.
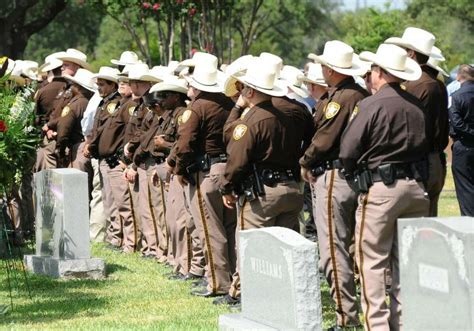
(131, 110)
(239, 131)
(111, 107)
(66, 110)
(186, 115)
(331, 110)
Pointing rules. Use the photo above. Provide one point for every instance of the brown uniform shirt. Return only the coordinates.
(147, 145)
(107, 106)
(435, 105)
(69, 123)
(133, 129)
(339, 106)
(389, 128)
(111, 137)
(178, 120)
(261, 137)
(46, 97)
(62, 99)
(202, 128)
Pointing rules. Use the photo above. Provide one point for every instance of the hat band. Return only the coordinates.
(203, 83)
(260, 87)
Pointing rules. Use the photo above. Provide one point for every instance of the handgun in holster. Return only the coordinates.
(363, 179)
(190, 171)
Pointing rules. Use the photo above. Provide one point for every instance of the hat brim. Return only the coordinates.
(403, 43)
(146, 78)
(299, 91)
(279, 88)
(230, 89)
(356, 69)
(106, 77)
(77, 61)
(168, 87)
(438, 68)
(412, 69)
(215, 88)
(48, 66)
(306, 79)
(75, 81)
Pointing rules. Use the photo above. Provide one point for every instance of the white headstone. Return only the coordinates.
(280, 286)
(437, 273)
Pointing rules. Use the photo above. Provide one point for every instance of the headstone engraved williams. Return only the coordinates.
(279, 282)
(62, 226)
(437, 273)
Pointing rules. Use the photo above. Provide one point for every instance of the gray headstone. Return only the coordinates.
(437, 273)
(62, 226)
(279, 281)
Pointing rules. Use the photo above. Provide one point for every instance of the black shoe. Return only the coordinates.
(199, 283)
(204, 292)
(227, 300)
(344, 328)
(191, 276)
(176, 276)
(148, 256)
(113, 248)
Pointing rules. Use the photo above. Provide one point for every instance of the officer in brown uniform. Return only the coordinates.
(419, 44)
(140, 81)
(72, 60)
(385, 146)
(262, 172)
(200, 161)
(106, 145)
(335, 201)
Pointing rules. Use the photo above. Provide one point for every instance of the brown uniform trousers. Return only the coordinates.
(335, 208)
(45, 155)
(118, 197)
(280, 206)
(97, 219)
(436, 179)
(377, 247)
(216, 227)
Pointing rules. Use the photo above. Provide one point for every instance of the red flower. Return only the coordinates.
(156, 6)
(146, 5)
(3, 126)
(192, 11)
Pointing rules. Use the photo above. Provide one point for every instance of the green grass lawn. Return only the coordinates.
(136, 295)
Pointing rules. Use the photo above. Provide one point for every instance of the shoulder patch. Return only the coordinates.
(131, 110)
(332, 109)
(246, 110)
(403, 87)
(180, 119)
(36, 95)
(186, 115)
(111, 107)
(66, 110)
(354, 113)
(239, 131)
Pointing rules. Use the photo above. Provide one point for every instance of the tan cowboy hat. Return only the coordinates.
(127, 57)
(51, 62)
(366, 64)
(75, 56)
(260, 76)
(107, 73)
(292, 76)
(141, 72)
(84, 78)
(340, 57)
(273, 60)
(394, 60)
(205, 76)
(236, 68)
(434, 62)
(199, 57)
(15, 69)
(30, 69)
(416, 39)
(314, 75)
(171, 83)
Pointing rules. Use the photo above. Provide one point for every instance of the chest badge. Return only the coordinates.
(131, 110)
(245, 112)
(66, 110)
(331, 110)
(111, 107)
(239, 131)
(186, 115)
(354, 113)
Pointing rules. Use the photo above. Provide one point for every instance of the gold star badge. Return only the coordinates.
(131, 110)
(239, 131)
(111, 107)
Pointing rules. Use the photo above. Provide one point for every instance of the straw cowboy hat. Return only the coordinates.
(84, 78)
(30, 69)
(141, 72)
(273, 60)
(416, 39)
(340, 57)
(75, 56)
(434, 62)
(51, 62)
(198, 57)
(236, 68)
(292, 76)
(15, 69)
(127, 57)
(314, 75)
(205, 76)
(107, 73)
(394, 60)
(260, 76)
(171, 83)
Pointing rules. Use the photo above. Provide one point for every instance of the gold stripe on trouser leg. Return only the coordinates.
(206, 234)
(235, 286)
(361, 261)
(332, 248)
(150, 204)
(189, 250)
(134, 220)
(164, 228)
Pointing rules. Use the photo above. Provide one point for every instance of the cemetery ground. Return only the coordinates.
(136, 295)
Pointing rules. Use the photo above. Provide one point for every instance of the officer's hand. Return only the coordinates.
(182, 180)
(45, 128)
(131, 175)
(86, 152)
(169, 168)
(229, 200)
(51, 134)
(306, 175)
(159, 140)
(126, 152)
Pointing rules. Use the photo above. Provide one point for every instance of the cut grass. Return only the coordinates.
(135, 296)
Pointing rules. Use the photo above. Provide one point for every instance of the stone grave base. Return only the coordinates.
(237, 322)
(93, 268)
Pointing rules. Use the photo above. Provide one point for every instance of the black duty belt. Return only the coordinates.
(221, 158)
(326, 165)
(391, 172)
(272, 177)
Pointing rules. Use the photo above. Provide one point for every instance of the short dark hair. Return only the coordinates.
(466, 72)
(421, 58)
